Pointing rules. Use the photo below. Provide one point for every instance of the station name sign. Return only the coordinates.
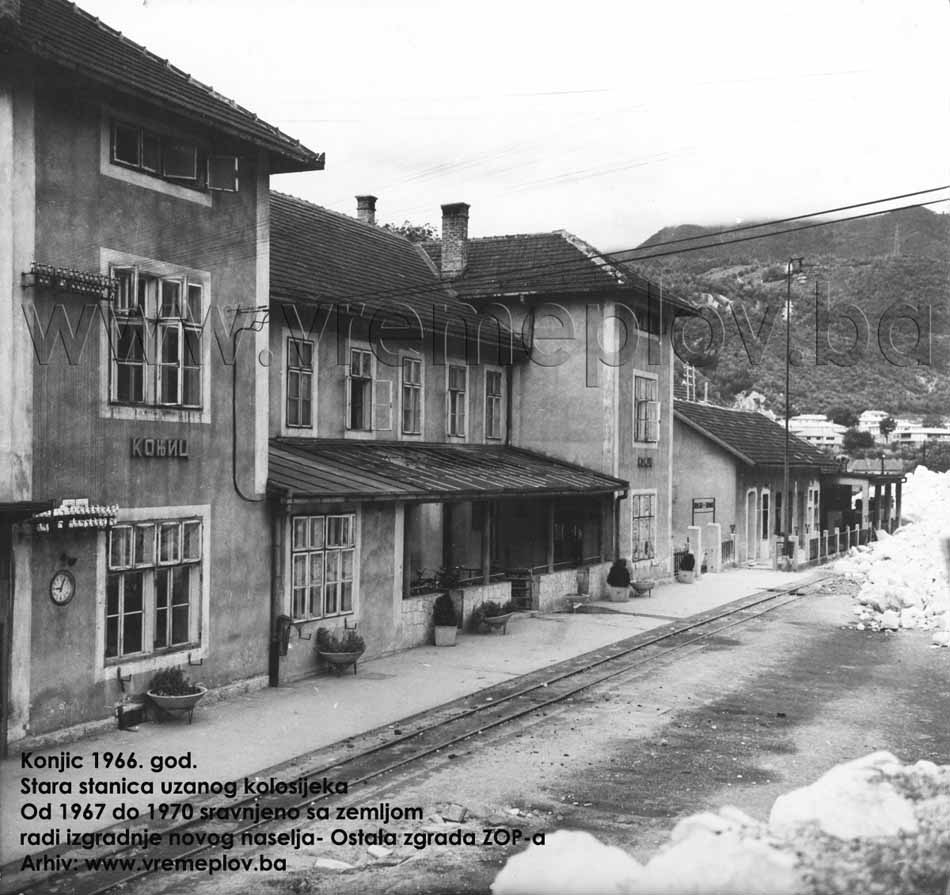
(162, 448)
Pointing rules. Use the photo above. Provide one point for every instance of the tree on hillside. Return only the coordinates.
(933, 421)
(843, 416)
(887, 425)
(937, 458)
(854, 439)
(413, 232)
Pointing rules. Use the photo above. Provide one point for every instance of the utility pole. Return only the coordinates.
(794, 265)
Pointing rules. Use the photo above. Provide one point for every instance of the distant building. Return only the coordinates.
(817, 429)
(870, 421)
(917, 434)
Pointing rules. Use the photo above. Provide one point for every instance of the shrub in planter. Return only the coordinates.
(172, 682)
(687, 568)
(490, 609)
(349, 642)
(446, 620)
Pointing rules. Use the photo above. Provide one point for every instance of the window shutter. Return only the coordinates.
(383, 404)
(223, 173)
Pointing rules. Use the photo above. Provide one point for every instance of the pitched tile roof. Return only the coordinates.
(392, 470)
(529, 262)
(327, 258)
(59, 32)
(751, 437)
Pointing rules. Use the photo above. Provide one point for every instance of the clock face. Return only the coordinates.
(62, 586)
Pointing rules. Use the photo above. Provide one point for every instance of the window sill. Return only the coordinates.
(154, 413)
(153, 658)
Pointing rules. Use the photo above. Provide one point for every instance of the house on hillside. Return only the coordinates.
(134, 207)
(817, 429)
(729, 470)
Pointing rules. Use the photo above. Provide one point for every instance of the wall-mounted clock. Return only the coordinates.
(62, 587)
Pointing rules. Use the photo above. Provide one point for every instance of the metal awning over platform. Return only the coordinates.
(337, 469)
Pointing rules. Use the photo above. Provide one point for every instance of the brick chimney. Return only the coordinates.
(365, 206)
(10, 11)
(454, 238)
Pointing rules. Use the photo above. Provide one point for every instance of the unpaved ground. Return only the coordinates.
(752, 713)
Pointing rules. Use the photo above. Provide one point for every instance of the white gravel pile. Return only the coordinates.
(904, 578)
(873, 826)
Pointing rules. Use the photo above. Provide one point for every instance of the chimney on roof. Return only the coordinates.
(454, 238)
(10, 11)
(365, 206)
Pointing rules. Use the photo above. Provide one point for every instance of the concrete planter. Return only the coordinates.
(445, 635)
(618, 594)
(497, 622)
(685, 577)
(183, 703)
(339, 661)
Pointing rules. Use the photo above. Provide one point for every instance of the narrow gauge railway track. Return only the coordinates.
(391, 748)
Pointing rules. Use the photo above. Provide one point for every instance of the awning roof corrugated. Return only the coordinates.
(332, 469)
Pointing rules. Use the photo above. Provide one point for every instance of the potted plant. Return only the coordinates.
(492, 616)
(338, 652)
(687, 569)
(446, 619)
(172, 691)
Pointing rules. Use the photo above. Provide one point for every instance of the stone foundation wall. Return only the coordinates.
(415, 621)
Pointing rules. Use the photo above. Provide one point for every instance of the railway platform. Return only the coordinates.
(247, 736)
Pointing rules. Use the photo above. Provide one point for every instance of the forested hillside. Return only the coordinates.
(873, 264)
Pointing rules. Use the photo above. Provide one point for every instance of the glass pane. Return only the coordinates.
(125, 144)
(299, 608)
(195, 303)
(293, 384)
(299, 571)
(151, 151)
(191, 386)
(347, 557)
(330, 600)
(161, 628)
(131, 343)
(171, 299)
(148, 295)
(132, 633)
(301, 528)
(316, 570)
(120, 547)
(181, 161)
(169, 385)
(112, 594)
(316, 532)
(346, 597)
(112, 637)
(333, 566)
(169, 542)
(132, 596)
(144, 545)
(191, 548)
(192, 347)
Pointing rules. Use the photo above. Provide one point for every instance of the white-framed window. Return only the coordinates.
(299, 387)
(172, 158)
(360, 390)
(457, 399)
(643, 525)
(156, 331)
(494, 400)
(411, 396)
(153, 588)
(646, 414)
(323, 559)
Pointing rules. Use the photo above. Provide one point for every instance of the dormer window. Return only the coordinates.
(173, 159)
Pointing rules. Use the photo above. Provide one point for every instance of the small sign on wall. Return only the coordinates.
(161, 448)
(644, 463)
(704, 510)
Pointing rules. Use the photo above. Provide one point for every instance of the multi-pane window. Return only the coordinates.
(156, 339)
(299, 383)
(646, 409)
(458, 382)
(411, 396)
(644, 526)
(493, 396)
(171, 158)
(360, 388)
(322, 558)
(153, 587)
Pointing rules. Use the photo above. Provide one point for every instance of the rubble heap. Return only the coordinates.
(904, 577)
(872, 825)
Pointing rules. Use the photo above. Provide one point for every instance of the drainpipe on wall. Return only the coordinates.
(276, 594)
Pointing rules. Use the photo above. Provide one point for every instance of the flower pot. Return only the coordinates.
(445, 635)
(618, 594)
(497, 622)
(685, 577)
(183, 703)
(339, 661)
(643, 586)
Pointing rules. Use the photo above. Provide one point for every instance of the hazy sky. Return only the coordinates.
(608, 119)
